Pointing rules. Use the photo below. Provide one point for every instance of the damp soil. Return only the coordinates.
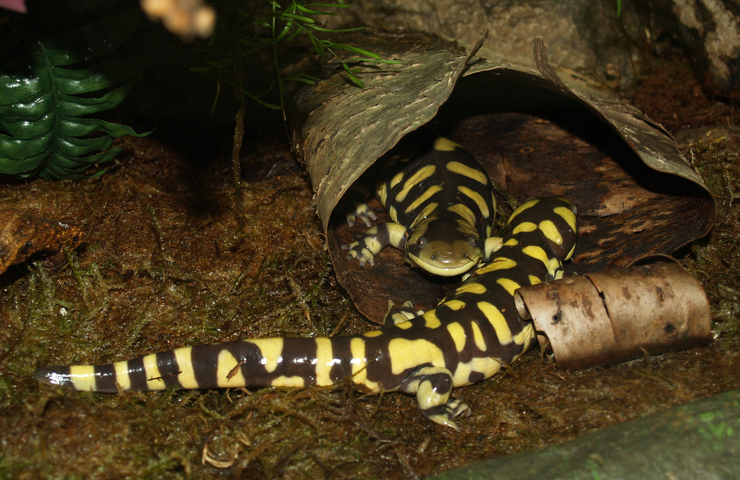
(172, 257)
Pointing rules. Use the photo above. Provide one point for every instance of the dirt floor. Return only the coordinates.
(169, 261)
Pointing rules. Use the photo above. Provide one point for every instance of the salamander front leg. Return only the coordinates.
(404, 313)
(432, 386)
(375, 240)
(492, 245)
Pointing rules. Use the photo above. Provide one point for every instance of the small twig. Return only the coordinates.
(339, 325)
(160, 241)
(299, 293)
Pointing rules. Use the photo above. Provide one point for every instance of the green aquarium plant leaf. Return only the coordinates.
(65, 70)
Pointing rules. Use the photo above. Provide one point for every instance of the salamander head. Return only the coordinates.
(444, 246)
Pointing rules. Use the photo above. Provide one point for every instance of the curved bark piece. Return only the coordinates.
(340, 130)
(617, 315)
(535, 136)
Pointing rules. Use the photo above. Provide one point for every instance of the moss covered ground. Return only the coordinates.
(169, 261)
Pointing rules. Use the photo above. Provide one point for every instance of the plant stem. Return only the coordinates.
(232, 30)
(281, 87)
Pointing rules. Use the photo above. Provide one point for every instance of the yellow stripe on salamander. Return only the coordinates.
(186, 377)
(454, 304)
(382, 193)
(359, 364)
(431, 191)
(464, 170)
(431, 320)
(153, 377)
(475, 196)
(538, 253)
(83, 377)
(428, 210)
(480, 343)
(457, 332)
(271, 350)
(524, 227)
(324, 360)
(396, 180)
(442, 144)
(496, 318)
(500, 263)
(122, 377)
(474, 288)
(420, 175)
(463, 211)
(228, 372)
(524, 338)
(509, 285)
(406, 354)
(551, 231)
(567, 215)
(523, 207)
(295, 381)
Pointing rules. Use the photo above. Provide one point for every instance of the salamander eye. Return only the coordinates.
(473, 241)
(421, 242)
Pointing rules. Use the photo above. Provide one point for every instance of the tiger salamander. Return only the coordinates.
(465, 339)
(442, 209)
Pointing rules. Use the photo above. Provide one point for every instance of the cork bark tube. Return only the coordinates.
(617, 315)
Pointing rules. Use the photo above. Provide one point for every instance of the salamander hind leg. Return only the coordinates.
(404, 313)
(433, 386)
(362, 211)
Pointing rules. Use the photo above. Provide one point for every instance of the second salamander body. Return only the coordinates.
(465, 339)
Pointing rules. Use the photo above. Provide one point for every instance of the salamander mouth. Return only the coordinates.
(442, 271)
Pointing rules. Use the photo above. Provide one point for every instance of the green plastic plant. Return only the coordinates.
(252, 27)
(58, 74)
(268, 25)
